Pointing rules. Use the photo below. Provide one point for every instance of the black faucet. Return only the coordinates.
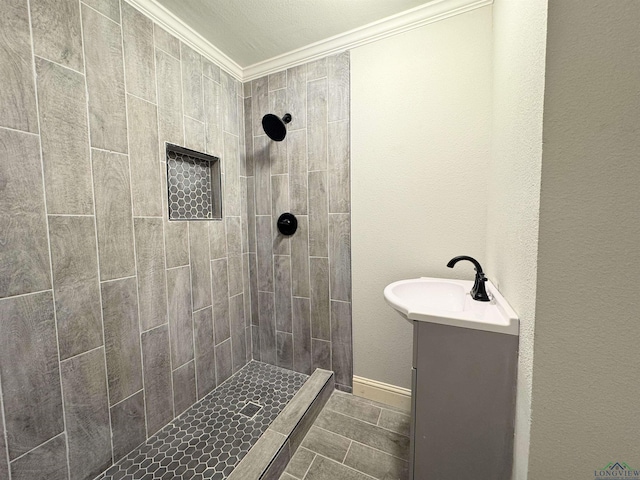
(478, 291)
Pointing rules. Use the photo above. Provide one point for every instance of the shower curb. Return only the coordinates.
(268, 458)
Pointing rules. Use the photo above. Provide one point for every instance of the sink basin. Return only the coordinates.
(448, 302)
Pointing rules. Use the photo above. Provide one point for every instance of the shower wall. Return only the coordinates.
(112, 319)
(301, 315)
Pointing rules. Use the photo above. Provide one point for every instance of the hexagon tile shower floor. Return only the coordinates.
(211, 437)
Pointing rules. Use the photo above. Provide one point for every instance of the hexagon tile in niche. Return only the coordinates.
(210, 438)
(193, 182)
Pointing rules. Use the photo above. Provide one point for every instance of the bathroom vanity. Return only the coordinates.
(465, 356)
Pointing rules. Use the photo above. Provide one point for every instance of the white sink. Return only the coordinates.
(448, 302)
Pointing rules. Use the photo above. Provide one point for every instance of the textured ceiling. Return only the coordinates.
(250, 31)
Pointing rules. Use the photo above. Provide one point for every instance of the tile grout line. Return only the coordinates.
(164, 229)
(133, 226)
(95, 227)
(213, 314)
(338, 463)
(46, 219)
(101, 14)
(4, 432)
(66, 67)
(359, 443)
(19, 131)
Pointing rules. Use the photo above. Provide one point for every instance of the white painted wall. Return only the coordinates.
(519, 40)
(585, 409)
(420, 139)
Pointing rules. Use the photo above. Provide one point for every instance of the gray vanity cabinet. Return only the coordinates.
(463, 403)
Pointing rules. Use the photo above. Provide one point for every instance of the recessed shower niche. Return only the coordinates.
(193, 184)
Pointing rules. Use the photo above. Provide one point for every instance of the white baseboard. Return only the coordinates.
(382, 392)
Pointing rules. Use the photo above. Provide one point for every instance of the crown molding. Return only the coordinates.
(402, 22)
(179, 29)
(431, 12)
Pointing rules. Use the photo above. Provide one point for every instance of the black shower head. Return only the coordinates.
(274, 126)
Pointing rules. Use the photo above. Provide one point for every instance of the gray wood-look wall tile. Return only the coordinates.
(17, 95)
(234, 235)
(244, 220)
(280, 198)
(320, 314)
(105, 81)
(342, 359)
(229, 103)
(176, 233)
(300, 259)
(318, 214)
(194, 134)
(262, 175)
(251, 214)
(238, 340)
(298, 182)
(152, 287)
(260, 103)
(76, 284)
(200, 264)
(110, 8)
(316, 69)
(223, 361)
(301, 335)
(213, 116)
(277, 80)
(232, 175)
(30, 372)
(297, 97)
(157, 378)
(47, 462)
(255, 342)
(128, 425)
(204, 351)
(320, 354)
(282, 272)
(180, 321)
(210, 70)
(86, 408)
(235, 274)
(192, 82)
(317, 124)
(165, 41)
(122, 338)
(338, 78)
(65, 139)
(170, 118)
(278, 150)
(184, 387)
(340, 256)
(220, 286)
(24, 254)
(284, 350)
(253, 279)
(56, 32)
(339, 174)
(217, 239)
(113, 214)
(137, 32)
(265, 253)
(248, 131)
(266, 309)
(246, 289)
(145, 174)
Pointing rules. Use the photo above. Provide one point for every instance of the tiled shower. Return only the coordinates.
(113, 319)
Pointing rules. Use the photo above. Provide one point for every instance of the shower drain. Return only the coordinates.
(250, 409)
